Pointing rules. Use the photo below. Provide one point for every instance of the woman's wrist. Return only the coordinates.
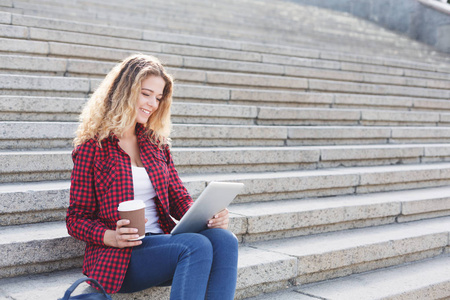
(109, 239)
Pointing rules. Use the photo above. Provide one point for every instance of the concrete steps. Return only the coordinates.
(25, 166)
(18, 108)
(256, 271)
(110, 9)
(338, 129)
(281, 219)
(21, 202)
(315, 69)
(39, 108)
(168, 53)
(14, 84)
(111, 13)
(333, 255)
(45, 135)
(364, 249)
(328, 30)
(77, 34)
(427, 279)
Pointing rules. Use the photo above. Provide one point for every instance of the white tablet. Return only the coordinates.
(216, 197)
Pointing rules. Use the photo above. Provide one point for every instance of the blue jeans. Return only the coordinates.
(198, 265)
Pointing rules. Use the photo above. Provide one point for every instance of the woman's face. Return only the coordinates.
(151, 94)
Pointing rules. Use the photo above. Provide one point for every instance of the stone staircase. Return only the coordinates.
(340, 131)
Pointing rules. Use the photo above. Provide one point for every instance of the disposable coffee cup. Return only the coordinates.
(134, 210)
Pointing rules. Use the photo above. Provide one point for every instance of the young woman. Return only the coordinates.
(122, 153)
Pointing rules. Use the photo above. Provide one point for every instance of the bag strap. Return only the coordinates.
(78, 282)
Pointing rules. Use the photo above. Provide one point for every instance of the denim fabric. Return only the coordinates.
(198, 265)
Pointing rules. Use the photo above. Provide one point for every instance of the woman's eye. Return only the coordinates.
(159, 99)
(145, 94)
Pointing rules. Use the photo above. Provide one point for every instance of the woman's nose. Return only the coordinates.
(153, 102)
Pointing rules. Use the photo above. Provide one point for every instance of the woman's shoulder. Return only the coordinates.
(86, 148)
(88, 144)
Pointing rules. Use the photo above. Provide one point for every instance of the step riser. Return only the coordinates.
(224, 160)
(352, 67)
(51, 66)
(389, 251)
(254, 229)
(256, 290)
(18, 167)
(63, 84)
(9, 92)
(335, 100)
(176, 119)
(59, 135)
(310, 268)
(28, 207)
(24, 109)
(369, 266)
(34, 176)
(42, 267)
(292, 188)
(363, 250)
(273, 276)
(23, 113)
(204, 94)
(31, 217)
(257, 271)
(421, 216)
(250, 279)
(321, 118)
(56, 143)
(428, 279)
(251, 228)
(284, 187)
(291, 224)
(296, 231)
(16, 203)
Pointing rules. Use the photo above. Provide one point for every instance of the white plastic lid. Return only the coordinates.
(131, 205)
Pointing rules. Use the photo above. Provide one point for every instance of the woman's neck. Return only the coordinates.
(129, 133)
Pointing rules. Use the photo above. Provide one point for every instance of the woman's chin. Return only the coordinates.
(142, 121)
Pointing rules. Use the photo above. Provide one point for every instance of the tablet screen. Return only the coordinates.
(216, 197)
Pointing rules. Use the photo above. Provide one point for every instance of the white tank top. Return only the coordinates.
(143, 190)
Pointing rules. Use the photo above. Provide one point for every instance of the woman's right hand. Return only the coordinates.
(119, 238)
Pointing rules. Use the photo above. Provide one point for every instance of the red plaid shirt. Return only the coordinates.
(101, 179)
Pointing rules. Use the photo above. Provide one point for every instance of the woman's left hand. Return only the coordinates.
(220, 220)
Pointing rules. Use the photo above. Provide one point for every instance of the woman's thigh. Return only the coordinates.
(155, 261)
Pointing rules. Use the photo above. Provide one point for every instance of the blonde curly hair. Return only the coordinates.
(112, 107)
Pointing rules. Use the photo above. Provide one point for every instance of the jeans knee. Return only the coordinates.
(222, 240)
(230, 237)
(221, 237)
(196, 244)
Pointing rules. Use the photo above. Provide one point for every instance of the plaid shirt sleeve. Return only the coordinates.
(81, 219)
(179, 197)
